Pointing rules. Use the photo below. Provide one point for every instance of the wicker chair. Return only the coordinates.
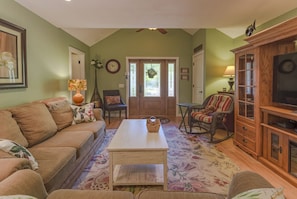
(212, 115)
(113, 102)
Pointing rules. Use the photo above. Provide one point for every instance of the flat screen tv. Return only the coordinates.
(285, 79)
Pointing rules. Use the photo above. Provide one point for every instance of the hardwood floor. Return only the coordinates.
(242, 159)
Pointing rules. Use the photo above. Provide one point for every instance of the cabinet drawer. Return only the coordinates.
(245, 135)
(245, 141)
(246, 130)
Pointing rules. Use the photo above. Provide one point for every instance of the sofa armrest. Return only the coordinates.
(23, 182)
(98, 113)
(245, 181)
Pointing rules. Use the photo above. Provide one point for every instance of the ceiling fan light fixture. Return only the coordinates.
(152, 28)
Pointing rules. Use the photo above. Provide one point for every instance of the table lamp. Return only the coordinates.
(77, 85)
(230, 72)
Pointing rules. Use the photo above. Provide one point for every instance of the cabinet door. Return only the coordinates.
(246, 84)
(275, 150)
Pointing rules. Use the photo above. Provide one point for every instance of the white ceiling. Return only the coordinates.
(92, 20)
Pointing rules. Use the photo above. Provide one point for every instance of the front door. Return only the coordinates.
(152, 87)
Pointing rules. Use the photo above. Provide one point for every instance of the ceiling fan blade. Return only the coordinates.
(141, 29)
(163, 31)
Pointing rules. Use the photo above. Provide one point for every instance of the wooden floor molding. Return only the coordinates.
(242, 159)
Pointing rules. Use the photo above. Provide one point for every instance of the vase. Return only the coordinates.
(96, 98)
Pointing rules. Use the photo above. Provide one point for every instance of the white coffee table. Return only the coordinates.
(134, 153)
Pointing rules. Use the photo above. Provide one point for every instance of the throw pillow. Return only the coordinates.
(17, 197)
(83, 113)
(35, 122)
(61, 112)
(263, 193)
(112, 100)
(10, 129)
(18, 151)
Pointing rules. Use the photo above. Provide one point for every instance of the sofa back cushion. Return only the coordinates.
(10, 129)
(61, 112)
(35, 121)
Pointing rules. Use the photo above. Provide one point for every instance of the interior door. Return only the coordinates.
(152, 88)
(198, 78)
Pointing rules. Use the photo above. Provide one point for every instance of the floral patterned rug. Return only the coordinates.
(194, 165)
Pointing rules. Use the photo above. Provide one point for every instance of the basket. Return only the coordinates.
(153, 124)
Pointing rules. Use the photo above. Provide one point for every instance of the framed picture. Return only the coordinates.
(184, 70)
(184, 77)
(13, 69)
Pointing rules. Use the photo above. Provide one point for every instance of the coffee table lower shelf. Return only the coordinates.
(140, 174)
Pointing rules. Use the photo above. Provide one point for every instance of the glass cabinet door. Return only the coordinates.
(275, 147)
(246, 86)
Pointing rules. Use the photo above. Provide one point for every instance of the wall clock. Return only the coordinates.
(287, 66)
(113, 66)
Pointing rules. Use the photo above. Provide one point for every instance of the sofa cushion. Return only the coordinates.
(83, 113)
(18, 151)
(10, 165)
(10, 129)
(55, 163)
(262, 193)
(81, 140)
(146, 194)
(17, 197)
(96, 127)
(61, 112)
(35, 121)
(78, 194)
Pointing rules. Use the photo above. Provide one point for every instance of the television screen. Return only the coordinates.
(285, 79)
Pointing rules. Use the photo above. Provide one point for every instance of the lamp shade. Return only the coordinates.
(230, 71)
(77, 85)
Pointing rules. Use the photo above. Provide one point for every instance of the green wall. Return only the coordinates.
(217, 56)
(47, 56)
(129, 43)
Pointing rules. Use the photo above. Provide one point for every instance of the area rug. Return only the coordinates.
(194, 165)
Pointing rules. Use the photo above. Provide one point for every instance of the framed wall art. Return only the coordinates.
(13, 69)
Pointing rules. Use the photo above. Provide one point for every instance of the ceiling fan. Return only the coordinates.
(161, 30)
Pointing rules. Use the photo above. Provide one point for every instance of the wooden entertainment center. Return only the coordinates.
(260, 124)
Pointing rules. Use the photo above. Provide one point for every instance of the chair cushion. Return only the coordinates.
(220, 102)
(202, 117)
(112, 100)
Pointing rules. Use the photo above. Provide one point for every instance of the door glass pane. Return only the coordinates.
(152, 80)
(274, 146)
(132, 79)
(171, 73)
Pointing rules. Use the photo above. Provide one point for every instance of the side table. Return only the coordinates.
(188, 109)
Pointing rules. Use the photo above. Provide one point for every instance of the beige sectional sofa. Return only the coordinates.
(60, 137)
(31, 185)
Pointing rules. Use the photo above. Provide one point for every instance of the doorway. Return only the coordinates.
(198, 78)
(76, 66)
(152, 87)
